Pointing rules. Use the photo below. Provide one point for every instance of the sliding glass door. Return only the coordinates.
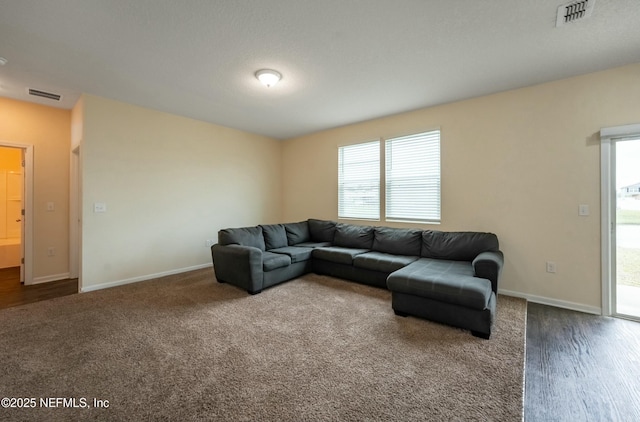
(627, 227)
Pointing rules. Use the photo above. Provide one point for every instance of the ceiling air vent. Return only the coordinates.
(44, 94)
(574, 11)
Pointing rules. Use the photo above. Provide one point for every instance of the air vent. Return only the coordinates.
(44, 94)
(574, 11)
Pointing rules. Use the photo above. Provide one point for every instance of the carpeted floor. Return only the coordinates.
(187, 348)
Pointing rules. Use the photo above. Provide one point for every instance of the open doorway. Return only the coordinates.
(11, 209)
(16, 188)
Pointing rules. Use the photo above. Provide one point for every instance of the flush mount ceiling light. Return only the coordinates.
(268, 77)
(3, 61)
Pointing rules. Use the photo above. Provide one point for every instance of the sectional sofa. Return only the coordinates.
(448, 277)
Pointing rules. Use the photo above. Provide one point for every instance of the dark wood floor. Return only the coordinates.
(579, 367)
(13, 293)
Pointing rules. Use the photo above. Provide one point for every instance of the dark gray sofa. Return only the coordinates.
(449, 277)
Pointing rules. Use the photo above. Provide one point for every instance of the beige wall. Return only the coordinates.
(10, 159)
(169, 183)
(517, 163)
(48, 130)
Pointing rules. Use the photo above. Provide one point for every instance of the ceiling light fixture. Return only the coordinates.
(3, 61)
(268, 77)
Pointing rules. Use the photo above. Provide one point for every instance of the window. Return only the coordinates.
(411, 182)
(412, 164)
(359, 181)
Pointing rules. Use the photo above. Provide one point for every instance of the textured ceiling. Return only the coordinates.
(342, 61)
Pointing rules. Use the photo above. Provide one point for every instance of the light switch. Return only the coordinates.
(583, 209)
(51, 206)
(99, 207)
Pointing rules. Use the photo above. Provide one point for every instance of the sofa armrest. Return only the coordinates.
(238, 265)
(489, 265)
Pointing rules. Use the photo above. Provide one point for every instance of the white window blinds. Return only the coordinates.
(413, 177)
(359, 181)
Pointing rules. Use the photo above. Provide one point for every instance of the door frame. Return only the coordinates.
(608, 137)
(27, 234)
(75, 223)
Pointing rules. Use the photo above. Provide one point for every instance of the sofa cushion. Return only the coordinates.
(383, 262)
(443, 280)
(271, 261)
(297, 232)
(397, 241)
(337, 254)
(321, 230)
(275, 236)
(352, 236)
(244, 236)
(457, 246)
(296, 253)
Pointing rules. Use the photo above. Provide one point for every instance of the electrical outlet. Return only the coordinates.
(551, 267)
(51, 251)
(209, 243)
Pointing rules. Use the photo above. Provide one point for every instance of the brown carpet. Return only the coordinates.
(185, 348)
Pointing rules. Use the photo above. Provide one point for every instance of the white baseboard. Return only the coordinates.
(554, 302)
(531, 298)
(48, 278)
(142, 278)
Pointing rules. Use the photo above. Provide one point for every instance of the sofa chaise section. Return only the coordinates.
(454, 282)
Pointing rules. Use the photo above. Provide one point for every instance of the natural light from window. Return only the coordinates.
(413, 177)
(359, 181)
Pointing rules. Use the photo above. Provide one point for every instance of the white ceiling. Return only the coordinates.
(342, 61)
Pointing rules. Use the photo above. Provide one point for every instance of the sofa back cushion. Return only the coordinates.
(321, 230)
(244, 236)
(352, 236)
(297, 232)
(457, 246)
(397, 241)
(275, 236)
